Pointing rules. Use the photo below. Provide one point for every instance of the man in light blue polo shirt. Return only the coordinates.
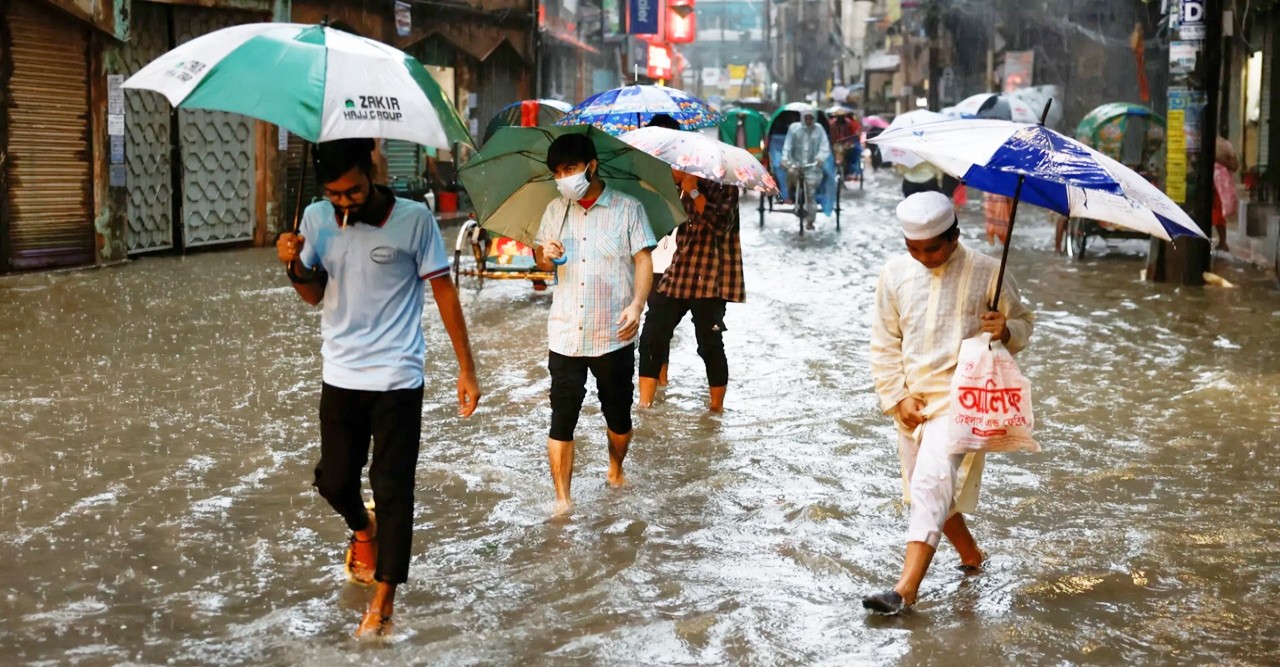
(363, 256)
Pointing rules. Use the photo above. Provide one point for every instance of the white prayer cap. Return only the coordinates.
(925, 215)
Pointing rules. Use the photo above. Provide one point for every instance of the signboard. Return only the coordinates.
(611, 14)
(115, 94)
(115, 125)
(404, 18)
(117, 150)
(1182, 58)
(1191, 20)
(682, 21)
(643, 17)
(282, 141)
(659, 61)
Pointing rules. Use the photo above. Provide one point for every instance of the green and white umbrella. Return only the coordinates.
(510, 185)
(317, 82)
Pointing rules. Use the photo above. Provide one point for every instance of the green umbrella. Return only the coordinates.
(510, 185)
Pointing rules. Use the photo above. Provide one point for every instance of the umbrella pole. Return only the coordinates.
(1013, 215)
(1004, 256)
(297, 209)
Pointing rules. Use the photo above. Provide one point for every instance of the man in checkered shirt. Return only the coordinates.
(705, 275)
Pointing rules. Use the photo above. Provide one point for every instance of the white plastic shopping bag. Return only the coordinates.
(990, 401)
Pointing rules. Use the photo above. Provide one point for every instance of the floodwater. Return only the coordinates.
(158, 432)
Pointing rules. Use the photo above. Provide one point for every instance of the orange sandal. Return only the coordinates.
(362, 557)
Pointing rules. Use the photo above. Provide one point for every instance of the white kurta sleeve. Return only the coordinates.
(1018, 318)
(887, 364)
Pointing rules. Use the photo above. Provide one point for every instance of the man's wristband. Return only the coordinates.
(304, 276)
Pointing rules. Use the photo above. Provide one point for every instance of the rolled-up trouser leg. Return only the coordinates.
(932, 483)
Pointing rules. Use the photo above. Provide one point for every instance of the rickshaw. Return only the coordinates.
(493, 257)
(846, 141)
(487, 255)
(745, 128)
(1131, 134)
(828, 195)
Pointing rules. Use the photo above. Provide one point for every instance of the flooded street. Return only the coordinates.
(159, 430)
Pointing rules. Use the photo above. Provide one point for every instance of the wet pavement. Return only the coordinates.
(159, 432)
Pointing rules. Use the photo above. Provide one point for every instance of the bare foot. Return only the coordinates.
(562, 507)
(615, 478)
(374, 624)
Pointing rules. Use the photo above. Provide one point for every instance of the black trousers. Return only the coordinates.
(393, 419)
(708, 325)
(569, 389)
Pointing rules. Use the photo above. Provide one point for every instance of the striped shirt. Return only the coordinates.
(708, 260)
(597, 282)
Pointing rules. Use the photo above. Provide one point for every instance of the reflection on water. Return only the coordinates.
(159, 430)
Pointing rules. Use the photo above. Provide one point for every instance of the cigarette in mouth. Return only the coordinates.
(345, 213)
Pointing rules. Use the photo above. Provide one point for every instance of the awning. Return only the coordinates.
(565, 37)
(880, 61)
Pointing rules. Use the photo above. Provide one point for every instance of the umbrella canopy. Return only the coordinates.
(630, 107)
(510, 184)
(703, 156)
(875, 121)
(909, 119)
(317, 82)
(787, 114)
(528, 113)
(1037, 97)
(1044, 168)
(839, 110)
(1001, 107)
(1106, 114)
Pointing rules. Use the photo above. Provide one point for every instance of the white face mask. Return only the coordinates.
(574, 187)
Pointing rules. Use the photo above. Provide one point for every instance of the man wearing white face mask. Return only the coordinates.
(598, 240)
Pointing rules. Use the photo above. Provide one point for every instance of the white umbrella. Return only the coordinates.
(1003, 107)
(902, 156)
(703, 156)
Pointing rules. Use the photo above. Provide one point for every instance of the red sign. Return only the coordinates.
(682, 21)
(659, 61)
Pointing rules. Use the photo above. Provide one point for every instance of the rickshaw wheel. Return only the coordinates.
(1077, 238)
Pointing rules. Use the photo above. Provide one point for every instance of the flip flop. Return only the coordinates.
(361, 562)
(888, 603)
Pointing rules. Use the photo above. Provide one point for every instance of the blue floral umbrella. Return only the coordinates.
(628, 108)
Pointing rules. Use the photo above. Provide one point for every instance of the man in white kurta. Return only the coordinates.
(927, 302)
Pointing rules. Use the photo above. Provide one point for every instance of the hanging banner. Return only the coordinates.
(643, 17)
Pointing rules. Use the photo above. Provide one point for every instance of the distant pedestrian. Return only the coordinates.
(1225, 201)
(598, 240)
(998, 211)
(364, 256)
(928, 301)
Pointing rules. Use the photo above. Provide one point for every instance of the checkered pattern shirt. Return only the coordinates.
(598, 281)
(708, 259)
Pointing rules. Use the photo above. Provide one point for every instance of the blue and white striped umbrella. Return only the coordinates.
(1057, 172)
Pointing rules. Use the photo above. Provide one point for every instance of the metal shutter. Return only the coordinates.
(148, 145)
(50, 188)
(219, 176)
